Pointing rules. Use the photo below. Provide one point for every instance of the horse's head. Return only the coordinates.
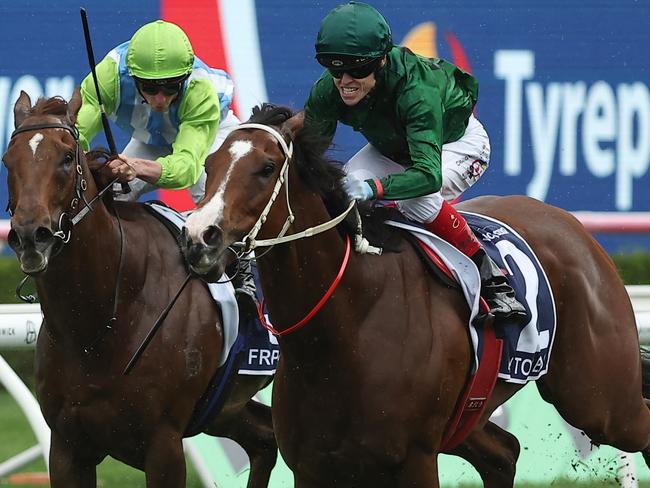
(242, 175)
(43, 161)
(247, 191)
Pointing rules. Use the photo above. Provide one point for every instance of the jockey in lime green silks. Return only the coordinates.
(177, 111)
(174, 106)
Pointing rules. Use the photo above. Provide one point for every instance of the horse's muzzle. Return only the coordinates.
(33, 245)
(203, 258)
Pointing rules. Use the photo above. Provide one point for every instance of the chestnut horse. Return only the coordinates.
(104, 272)
(364, 391)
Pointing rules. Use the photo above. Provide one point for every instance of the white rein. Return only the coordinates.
(249, 242)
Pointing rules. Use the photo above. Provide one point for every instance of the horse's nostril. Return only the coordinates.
(212, 236)
(13, 239)
(43, 235)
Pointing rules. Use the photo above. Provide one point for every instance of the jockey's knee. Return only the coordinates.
(423, 209)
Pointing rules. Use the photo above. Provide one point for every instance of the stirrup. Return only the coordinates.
(506, 307)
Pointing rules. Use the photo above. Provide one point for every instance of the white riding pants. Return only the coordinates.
(138, 149)
(463, 163)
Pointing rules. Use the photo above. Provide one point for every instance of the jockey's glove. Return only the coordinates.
(356, 188)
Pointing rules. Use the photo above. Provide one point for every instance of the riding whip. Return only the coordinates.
(91, 61)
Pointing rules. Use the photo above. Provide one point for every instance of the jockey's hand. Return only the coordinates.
(127, 168)
(122, 169)
(356, 188)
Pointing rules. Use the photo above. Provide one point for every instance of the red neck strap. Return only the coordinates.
(316, 309)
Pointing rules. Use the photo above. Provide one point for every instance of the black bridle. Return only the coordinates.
(67, 220)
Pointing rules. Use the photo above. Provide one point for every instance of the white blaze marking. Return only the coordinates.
(35, 141)
(239, 149)
(212, 212)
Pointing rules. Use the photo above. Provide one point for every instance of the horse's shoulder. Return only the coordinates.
(139, 221)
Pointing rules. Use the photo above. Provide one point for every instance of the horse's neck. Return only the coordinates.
(295, 277)
(78, 286)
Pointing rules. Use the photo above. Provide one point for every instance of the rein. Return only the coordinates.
(316, 309)
(66, 224)
(249, 241)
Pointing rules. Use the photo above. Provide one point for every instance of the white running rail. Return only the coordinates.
(19, 326)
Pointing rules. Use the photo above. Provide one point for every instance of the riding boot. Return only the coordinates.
(244, 284)
(499, 295)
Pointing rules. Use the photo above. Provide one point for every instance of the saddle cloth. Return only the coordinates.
(526, 346)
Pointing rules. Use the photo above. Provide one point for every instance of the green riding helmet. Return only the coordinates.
(352, 35)
(159, 50)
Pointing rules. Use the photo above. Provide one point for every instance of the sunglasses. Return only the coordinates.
(167, 89)
(356, 73)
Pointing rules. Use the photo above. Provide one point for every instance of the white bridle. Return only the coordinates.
(249, 241)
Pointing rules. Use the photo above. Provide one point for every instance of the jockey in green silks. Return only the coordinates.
(425, 147)
(176, 109)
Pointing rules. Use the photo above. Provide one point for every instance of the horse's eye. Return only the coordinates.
(68, 159)
(268, 169)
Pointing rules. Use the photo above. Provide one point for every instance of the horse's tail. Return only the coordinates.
(645, 371)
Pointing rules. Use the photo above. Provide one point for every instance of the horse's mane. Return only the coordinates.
(51, 106)
(317, 171)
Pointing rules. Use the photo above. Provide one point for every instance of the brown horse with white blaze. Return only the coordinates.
(365, 390)
(104, 271)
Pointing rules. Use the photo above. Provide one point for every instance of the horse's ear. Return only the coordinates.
(22, 108)
(293, 125)
(74, 104)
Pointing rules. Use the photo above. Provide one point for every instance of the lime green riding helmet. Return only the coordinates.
(159, 50)
(352, 34)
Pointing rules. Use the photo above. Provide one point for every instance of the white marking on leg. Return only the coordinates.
(212, 212)
(35, 141)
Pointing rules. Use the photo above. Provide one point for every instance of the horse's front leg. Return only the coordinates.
(419, 470)
(252, 429)
(164, 464)
(68, 468)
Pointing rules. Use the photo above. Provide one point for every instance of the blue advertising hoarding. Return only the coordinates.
(563, 85)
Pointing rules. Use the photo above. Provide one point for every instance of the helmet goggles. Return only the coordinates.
(356, 67)
(169, 86)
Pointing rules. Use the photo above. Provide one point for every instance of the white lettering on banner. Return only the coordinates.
(9, 93)
(633, 161)
(599, 130)
(544, 131)
(514, 67)
(573, 100)
(614, 133)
